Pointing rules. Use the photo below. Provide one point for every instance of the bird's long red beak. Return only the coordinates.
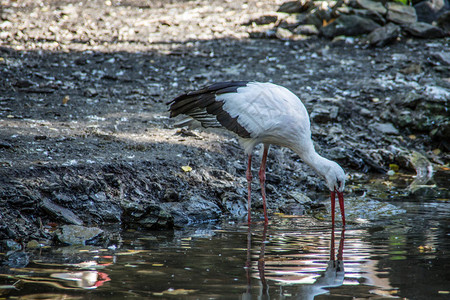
(341, 205)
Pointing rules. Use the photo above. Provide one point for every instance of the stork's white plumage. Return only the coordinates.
(261, 113)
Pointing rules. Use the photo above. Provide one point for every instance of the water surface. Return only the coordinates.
(405, 255)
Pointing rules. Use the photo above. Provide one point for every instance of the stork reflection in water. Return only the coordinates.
(332, 276)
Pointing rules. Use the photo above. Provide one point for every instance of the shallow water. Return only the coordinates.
(405, 255)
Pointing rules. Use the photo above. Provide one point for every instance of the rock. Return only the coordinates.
(148, 215)
(5, 145)
(373, 15)
(17, 260)
(323, 114)
(410, 100)
(429, 10)
(60, 213)
(292, 7)
(195, 210)
(33, 244)
(299, 197)
(283, 34)
(412, 68)
(372, 6)
(401, 14)
(349, 25)
(291, 21)
(24, 83)
(315, 18)
(262, 20)
(442, 57)
(77, 235)
(386, 128)
(159, 220)
(306, 29)
(384, 35)
(369, 209)
(444, 21)
(424, 30)
(90, 92)
(234, 204)
(10, 245)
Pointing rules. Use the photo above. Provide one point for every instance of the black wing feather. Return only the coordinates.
(203, 106)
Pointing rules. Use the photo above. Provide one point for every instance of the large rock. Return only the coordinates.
(60, 213)
(401, 14)
(424, 30)
(373, 15)
(349, 25)
(306, 29)
(196, 209)
(384, 35)
(292, 7)
(430, 10)
(444, 21)
(77, 235)
(372, 6)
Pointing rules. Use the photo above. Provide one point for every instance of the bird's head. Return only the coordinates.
(335, 177)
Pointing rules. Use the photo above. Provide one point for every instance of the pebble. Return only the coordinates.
(386, 128)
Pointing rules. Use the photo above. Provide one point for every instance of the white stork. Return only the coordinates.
(261, 113)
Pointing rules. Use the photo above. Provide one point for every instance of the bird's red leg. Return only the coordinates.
(333, 200)
(249, 183)
(341, 205)
(262, 179)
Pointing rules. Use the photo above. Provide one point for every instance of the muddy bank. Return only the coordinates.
(85, 137)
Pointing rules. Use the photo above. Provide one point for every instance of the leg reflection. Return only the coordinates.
(264, 294)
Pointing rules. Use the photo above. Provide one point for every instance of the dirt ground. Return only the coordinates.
(85, 136)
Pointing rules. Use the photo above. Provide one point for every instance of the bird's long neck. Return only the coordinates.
(309, 155)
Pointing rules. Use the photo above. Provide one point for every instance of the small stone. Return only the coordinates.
(386, 128)
(400, 13)
(424, 30)
(299, 197)
(33, 244)
(283, 34)
(391, 172)
(90, 92)
(442, 57)
(322, 114)
(365, 112)
(384, 35)
(24, 83)
(11, 245)
(306, 29)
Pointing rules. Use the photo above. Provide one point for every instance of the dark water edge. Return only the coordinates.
(404, 255)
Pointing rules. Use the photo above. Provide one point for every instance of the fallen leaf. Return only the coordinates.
(186, 168)
(394, 167)
(65, 99)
